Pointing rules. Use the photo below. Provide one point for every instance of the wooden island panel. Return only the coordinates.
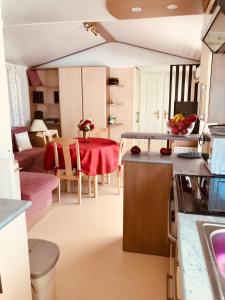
(147, 189)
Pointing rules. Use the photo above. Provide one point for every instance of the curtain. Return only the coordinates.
(18, 95)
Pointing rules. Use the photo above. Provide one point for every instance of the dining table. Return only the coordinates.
(98, 156)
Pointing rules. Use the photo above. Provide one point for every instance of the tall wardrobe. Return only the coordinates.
(83, 94)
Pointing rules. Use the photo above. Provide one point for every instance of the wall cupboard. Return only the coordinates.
(83, 94)
(212, 87)
(70, 100)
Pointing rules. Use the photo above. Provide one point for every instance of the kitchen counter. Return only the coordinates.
(195, 282)
(180, 165)
(10, 209)
(159, 136)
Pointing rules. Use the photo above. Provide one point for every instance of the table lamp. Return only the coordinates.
(38, 125)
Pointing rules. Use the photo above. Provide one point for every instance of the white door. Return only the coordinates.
(152, 107)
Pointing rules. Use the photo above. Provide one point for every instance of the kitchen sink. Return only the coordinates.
(212, 236)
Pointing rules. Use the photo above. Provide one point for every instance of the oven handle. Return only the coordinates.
(171, 238)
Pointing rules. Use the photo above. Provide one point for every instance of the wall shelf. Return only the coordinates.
(115, 103)
(115, 85)
(46, 104)
(116, 124)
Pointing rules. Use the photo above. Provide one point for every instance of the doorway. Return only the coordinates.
(154, 103)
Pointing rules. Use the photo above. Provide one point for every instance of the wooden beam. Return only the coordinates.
(105, 34)
(209, 6)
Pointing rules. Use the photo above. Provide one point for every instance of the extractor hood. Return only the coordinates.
(214, 34)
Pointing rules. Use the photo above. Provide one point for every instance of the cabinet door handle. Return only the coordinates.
(137, 116)
(165, 114)
(168, 278)
(157, 114)
(1, 290)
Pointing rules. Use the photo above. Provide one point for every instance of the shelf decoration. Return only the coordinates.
(113, 81)
(85, 126)
(112, 120)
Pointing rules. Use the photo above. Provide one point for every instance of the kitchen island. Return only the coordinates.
(148, 179)
(147, 215)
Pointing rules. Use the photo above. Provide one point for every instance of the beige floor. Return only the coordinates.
(92, 265)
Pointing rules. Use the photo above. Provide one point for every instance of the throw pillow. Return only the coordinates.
(23, 141)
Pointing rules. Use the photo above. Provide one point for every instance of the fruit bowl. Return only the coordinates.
(181, 125)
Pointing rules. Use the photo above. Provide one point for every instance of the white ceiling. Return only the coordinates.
(175, 35)
(39, 31)
(41, 11)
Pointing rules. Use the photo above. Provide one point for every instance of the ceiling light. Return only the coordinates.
(90, 27)
(172, 6)
(136, 9)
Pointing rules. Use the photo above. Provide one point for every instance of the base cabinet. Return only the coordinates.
(14, 261)
(146, 192)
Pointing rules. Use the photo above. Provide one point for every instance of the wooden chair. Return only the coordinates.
(69, 173)
(119, 171)
(49, 135)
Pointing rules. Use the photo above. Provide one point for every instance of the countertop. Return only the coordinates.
(180, 165)
(10, 209)
(195, 282)
(160, 136)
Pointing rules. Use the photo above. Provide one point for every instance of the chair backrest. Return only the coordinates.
(66, 142)
(121, 151)
(49, 135)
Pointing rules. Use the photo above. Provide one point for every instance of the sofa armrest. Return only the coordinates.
(36, 140)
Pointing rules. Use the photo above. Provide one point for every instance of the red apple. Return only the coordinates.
(181, 125)
(184, 131)
(187, 122)
(193, 118)
(170, 123)
(175, 131)
(135, 150)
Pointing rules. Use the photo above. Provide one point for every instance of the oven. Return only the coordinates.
(202, 195)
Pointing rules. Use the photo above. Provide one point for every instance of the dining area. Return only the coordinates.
(88, 161)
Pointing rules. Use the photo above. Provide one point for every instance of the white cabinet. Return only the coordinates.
(83, 94)
(204, 82)
(212, 87)
(216, 112)
(14, 261)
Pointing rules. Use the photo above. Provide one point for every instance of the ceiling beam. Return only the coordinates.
(105, 34)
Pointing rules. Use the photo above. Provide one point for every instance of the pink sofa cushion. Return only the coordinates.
(15, 130)
(34, 183)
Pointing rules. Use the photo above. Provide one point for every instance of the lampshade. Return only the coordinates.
(38, 125)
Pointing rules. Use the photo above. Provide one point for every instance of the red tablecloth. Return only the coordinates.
(100, 156)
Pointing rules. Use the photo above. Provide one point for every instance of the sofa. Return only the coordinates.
(31, 160)
(37, 188)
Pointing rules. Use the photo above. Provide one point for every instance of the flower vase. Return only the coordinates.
(85, 136)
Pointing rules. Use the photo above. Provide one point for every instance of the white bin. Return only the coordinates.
(43, 257)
